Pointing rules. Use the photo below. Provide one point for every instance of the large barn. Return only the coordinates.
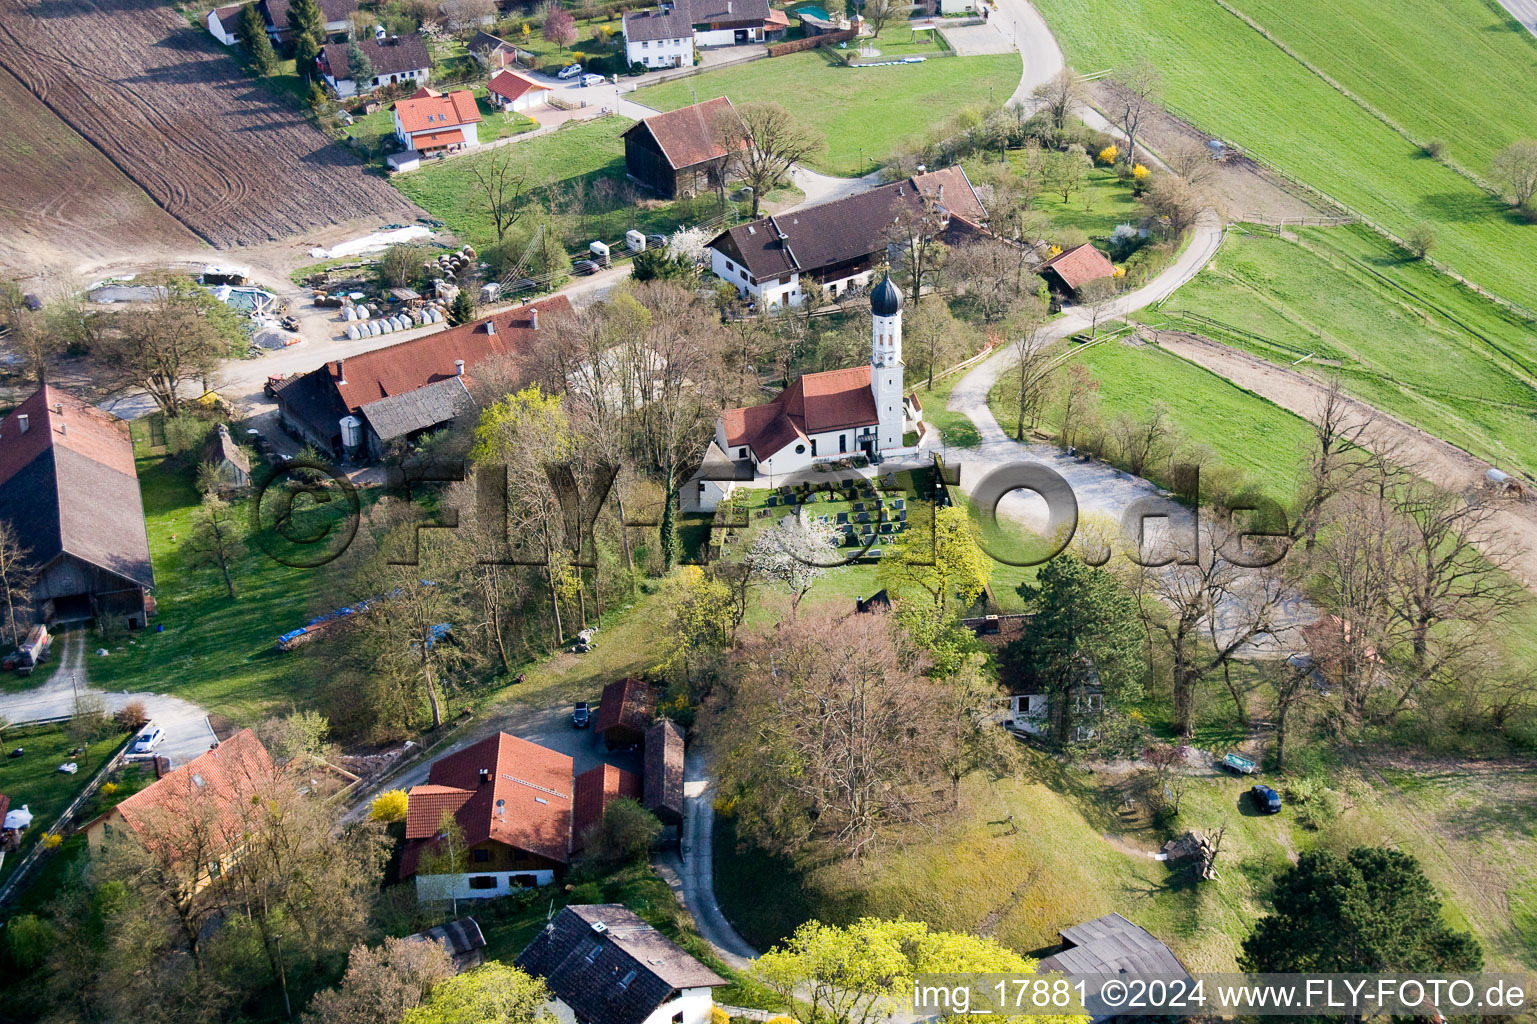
(679, 151)
(70, 492)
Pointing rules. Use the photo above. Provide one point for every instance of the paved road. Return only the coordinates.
(698, 874)
(1524, 11)
(187, 732)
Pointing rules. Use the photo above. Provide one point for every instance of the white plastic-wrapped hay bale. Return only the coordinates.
(362, 312)
(352, 333)
(373, 328)
(401, 322)
(349, 314)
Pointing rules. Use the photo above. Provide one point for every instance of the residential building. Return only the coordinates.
(224, 23)
(337, 15)
(1069, 271)
(680, 151)
(822, 417)
(513, 90)
(625, 712)
(433, 122)
(664, 772)
(665, 36)
(370, 387)
(215, 788)
(492, 51)
(610, 967)
(839, 244)
(878, 602)
(662, 37)
(1037, 713)
(520, 810)
(1111, 945)
(69, 489)
(396, 60)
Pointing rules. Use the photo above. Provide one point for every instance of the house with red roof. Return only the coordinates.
(395, 60)
(213, 788)
(512, 90)
(70, 490)
(820, 417)
(401, 392)
(625, 712)
(680, 150)
(521, 811)
(433, 122)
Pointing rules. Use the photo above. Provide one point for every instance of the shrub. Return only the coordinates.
(132, 716)
(1108, 155)
(1420, 240)
(108, 788)
(1435, 148)
(389, 806)
(719, 1016)
(628, 832)
(52, 841)
(1124, 241)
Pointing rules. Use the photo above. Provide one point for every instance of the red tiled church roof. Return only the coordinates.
(813, 404)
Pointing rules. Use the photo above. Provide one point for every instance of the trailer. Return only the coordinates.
(33, 650)
(1238, 763)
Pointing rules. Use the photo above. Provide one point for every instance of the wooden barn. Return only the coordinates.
(69, 489)
(679, 151)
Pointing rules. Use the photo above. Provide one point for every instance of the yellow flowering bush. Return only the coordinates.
(1108, 154)
(108, 788)
(1140, 172)
(52, 841)
(389, 806)
(1120, 272)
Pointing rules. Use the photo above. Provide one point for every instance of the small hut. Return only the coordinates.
(231, 465)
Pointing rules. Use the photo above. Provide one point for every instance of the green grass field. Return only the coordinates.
(1075, 855)
(375, 133)
(1236, 84)
(852, 107)
(1402, 337)
(218, 652)
(586, 152)
(34, 780)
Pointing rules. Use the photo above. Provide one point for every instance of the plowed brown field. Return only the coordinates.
(181, 119)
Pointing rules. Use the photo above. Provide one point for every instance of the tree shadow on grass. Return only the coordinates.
(1459, 207)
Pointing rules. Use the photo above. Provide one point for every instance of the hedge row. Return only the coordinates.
(810, 42)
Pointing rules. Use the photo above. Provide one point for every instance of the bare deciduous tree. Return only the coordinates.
(1515, 169)
(163, 346)
(382, 983)
(1061, 96)
(1036, 363)
(914, 246)
(1134, 100)
(762, 142)
(504, 186)
(1189, 159)
(16, 575)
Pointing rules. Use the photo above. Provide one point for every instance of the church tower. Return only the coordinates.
(886, 361)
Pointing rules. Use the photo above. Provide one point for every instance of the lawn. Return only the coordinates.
(218, 652)
(1402, 337)
(1048, 845)
(852, 107)
(34, 780)
(1247, 432)
(1097, 209)
(587, 154)
(1236, 84)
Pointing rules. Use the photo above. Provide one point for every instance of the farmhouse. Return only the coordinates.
(665, 36)
(337, 15)
(679, 151)
(1069, 271)
(511, 90)
(224, 23)
(518, 806)
(492, 51)
(434, 122)
(838, 244)
(625, 712)
(395, 60)
(832, 415)
(69, 488)
(215, 787)
(610, 967)
(372, 388)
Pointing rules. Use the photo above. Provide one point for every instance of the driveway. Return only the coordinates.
(1524, 11)
(974, 40)
(187, 732)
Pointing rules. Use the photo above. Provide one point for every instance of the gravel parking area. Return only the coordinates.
(974, 40)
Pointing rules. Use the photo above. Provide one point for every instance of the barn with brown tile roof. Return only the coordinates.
(680, 149)
(69, 489)
(1069, 271)
(625, 712)
(664, 771)
(596, 788)
(313, 404)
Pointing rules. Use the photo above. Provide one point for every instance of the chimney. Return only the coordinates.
(63, 428)
(58, 408)
(23, 421)
(728, 6)
(458, 367)
(485, 776)
(533, 319)
(341, 378)
(490, 326)
(941, 192)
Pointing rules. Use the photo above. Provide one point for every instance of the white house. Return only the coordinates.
(337, 15)
(396, 60)
(610, 967)
(511, 90)
(666, 36)
(838, 244)
(224, 23)
(434, 122)
(822, 417)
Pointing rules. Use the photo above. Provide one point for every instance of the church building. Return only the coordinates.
(820, 417)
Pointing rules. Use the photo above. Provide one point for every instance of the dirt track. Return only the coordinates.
(180, 118)
(1437, 461)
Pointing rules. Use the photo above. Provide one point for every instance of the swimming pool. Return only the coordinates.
(813, 11)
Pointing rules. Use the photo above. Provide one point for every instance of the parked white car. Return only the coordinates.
(593, 80)
(148, 740)
(569, 72)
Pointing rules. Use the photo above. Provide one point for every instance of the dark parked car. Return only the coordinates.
(1266, 799)
(656, 241)
(581, 716)
(583, 267)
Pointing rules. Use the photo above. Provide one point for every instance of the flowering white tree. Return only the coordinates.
(796, 551)
(690, 243)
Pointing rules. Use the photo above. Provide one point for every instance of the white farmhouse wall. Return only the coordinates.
(693, 1003)
(727, 36)
(217, 28)
(660, 53)
(442, 887)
